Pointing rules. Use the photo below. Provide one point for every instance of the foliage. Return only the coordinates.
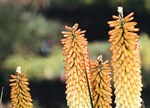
(30, 62)
(10, 29)
(36, 67)
(145, 58)
(99, 47)
(25, 32)
(145, 51)
(42, 28)
(38, 30)
(37, 5)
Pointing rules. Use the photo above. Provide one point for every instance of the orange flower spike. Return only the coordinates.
(101, 87)
(77, 67)
(20, 96)
(126, 62)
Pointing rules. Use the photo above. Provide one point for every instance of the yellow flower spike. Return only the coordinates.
(77, 68)
(101, 87)
(20, 96)
(126, 61)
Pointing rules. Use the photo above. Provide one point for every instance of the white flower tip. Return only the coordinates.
(120, 9)
(100, 58)
(18, 69)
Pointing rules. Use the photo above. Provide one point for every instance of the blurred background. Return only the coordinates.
(30, 33)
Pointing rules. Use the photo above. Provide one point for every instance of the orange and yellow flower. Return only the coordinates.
(77, 67)
(100, 79)
(20, 96)
(126, 62)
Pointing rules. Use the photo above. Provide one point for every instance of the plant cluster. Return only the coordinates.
(88, 82)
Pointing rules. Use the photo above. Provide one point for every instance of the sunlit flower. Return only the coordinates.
(77, 67)
(126, 62)
(20, 96)
(101, 87)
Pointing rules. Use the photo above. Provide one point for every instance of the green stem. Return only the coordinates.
(1, 97)
(92, 106)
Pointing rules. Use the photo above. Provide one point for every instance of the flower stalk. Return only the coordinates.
(1, 97)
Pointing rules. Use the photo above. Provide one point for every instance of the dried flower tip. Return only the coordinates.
(100, 58)
(18, 69)
(120, 9)
(75, 25)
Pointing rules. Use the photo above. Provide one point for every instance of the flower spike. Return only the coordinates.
(126, 61)
(77, 67)
(100, 79)
(20, 96)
